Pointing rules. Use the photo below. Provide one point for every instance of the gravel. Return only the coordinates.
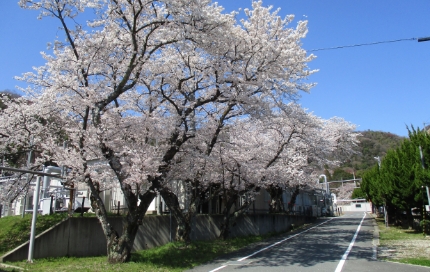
(399, 249)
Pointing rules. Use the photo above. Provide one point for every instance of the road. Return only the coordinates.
(336, 244)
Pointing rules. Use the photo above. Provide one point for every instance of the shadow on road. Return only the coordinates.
(323, 244)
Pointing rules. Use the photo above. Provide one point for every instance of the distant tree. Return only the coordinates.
(358, 193)
(371, 186)
(340, 174)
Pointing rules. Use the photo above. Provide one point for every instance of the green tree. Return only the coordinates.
(340, 174)
(397, 182)
(358, 193)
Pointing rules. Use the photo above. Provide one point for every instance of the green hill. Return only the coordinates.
(372, 144)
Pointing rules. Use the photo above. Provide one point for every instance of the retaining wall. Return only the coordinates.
(81, 237)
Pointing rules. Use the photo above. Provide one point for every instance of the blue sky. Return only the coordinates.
(381, 87)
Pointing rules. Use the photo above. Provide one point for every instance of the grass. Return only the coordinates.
(15, 230)
(396, 233)
(393, 235)
(416, 261)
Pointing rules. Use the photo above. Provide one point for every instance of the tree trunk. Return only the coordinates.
(386, 216)
(119, 247)
(410, 218)
(276, 203)
(71, 200)
(229, 217)
(225, 226)
(184, 220)
(293, 199)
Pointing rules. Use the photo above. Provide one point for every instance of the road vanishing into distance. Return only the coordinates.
(344, 243)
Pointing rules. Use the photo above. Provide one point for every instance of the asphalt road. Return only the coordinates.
(336, 244)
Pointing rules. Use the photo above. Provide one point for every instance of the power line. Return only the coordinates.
(373, 43)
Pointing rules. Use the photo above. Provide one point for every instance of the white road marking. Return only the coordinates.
(345, 255)
(219, 268)
(272, 245)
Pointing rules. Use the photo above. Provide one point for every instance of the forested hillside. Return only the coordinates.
(372, 144)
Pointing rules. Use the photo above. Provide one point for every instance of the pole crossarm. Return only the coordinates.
(29, 172)
(352, 200)
(345, 180)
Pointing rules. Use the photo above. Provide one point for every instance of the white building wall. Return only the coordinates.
(357, 207)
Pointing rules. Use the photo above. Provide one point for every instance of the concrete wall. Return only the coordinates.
(84, 237)
(73, 237)
(156, 230)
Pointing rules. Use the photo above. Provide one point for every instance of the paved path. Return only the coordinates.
(338, 244)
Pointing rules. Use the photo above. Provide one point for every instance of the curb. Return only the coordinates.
(375, 241)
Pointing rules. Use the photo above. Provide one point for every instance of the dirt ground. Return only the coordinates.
(399, 249)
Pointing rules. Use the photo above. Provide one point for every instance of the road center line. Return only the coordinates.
(345, 255)
(272, 245)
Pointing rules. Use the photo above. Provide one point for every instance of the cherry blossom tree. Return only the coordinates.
(255, 71)
(279, 152)
(113, 95)
(142, 83)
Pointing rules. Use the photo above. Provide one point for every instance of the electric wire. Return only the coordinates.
(362, 44)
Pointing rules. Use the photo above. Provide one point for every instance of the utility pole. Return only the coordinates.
(427, 189)
(29, 159)
(422, 164)
(33, 221)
